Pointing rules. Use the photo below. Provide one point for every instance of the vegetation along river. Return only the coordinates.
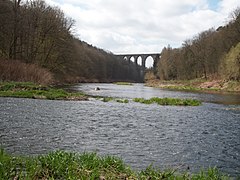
(166, 136)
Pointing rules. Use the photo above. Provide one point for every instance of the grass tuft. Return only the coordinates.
(169, 101)
(123, 83)
(107, 99)
(31, 90)
(122, 100)
(67, 165)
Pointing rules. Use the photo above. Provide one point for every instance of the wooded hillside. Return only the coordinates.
(33, 32)
(212, 54)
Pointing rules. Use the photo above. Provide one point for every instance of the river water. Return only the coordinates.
(165, 136)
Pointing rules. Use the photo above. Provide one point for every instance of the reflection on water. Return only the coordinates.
(167, 136)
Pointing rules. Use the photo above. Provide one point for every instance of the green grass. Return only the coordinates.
(123, 83)
(183, 88)
(73, 166)
(160, 101)
(31, 90)
(107, 99)
(190, 88)
(169, 101)
(122, 100)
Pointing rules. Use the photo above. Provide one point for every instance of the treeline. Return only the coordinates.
(212, 54)
(35, 33)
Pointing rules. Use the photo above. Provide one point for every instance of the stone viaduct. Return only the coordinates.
(127, 57)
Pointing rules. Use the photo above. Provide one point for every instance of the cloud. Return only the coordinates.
(227, 6)
(140, 26)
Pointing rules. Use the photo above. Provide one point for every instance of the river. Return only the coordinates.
(165, 136)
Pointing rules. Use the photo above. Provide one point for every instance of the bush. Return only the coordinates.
(13, 70)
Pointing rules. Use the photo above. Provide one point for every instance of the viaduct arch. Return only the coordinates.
(127, 57)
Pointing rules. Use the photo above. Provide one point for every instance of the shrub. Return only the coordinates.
(13, 70)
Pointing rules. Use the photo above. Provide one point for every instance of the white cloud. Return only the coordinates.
(139, 26)
(227, 6)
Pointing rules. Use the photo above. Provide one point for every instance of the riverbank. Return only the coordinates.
(67, 165)
(213, 86)
(34, 91)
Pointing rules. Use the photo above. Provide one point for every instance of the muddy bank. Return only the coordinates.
(198, 85)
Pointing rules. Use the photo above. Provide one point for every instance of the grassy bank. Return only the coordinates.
(67, 165)
(31, 90)
(169, 101)
(160, 101)
(197, 85)
(34, 91)
(123, 83)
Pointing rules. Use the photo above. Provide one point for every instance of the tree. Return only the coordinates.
(230, 64)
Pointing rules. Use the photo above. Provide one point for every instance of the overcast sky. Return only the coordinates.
(142, 26)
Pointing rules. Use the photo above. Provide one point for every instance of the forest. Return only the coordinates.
(212, 54)
(38, 44)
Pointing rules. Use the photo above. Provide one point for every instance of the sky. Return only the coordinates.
(143, 26)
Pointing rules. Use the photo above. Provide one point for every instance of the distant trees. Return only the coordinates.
(230, 64)
(6, 27)
(99, 65)
(33, 32)
(204, 56)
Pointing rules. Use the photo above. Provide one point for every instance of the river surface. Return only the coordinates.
(165, 136)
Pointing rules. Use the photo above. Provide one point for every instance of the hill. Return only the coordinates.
(212, 54)
(34, 33)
